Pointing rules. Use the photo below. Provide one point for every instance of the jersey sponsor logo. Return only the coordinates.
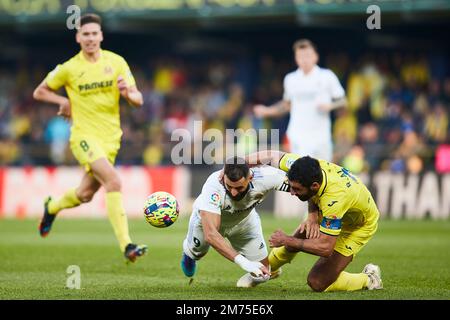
(95, 85)
(331, 222)
(215, 199)
(332, 203)
(247, 209)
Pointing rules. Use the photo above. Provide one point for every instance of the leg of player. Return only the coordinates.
(280, 256)
(248, 239)
(194, 246)
(328, 275)
(72, 198)
(106, 174)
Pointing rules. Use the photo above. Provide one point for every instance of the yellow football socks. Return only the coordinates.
(278, 257)
(68, 200)
(349, 282)
(118, 218)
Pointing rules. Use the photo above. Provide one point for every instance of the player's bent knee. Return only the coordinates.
(317, 284)
(85, 196)
(113, 185)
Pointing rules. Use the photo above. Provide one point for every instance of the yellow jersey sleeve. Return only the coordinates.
(287, 160)
(125, 72)
(57, 77)
(333, 206)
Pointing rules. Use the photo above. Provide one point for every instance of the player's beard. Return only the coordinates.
(240, 196)
(307, 196)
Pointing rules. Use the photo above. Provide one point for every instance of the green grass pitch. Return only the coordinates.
(414, 257)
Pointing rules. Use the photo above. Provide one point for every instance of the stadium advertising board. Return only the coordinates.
(397, 195)
(22, 189)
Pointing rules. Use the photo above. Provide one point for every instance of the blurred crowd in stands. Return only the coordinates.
(397, 117)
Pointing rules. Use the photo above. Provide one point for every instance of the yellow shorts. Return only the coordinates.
(88, 149)
(351, 242)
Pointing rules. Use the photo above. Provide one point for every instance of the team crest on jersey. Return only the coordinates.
(108, 70)
(215, 199)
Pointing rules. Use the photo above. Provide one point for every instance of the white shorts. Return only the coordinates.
(323, 150)
(246, 237)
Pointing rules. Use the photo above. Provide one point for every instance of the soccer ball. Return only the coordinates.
(161, 209)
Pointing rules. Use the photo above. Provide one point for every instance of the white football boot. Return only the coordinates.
(374, 273)
(250, 281)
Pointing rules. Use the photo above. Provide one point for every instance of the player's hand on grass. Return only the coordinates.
(254, 267)
(65, 110)
(260, 110)
(277, 239)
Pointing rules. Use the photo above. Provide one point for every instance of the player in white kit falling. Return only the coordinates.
(310, 93)
(226, 209)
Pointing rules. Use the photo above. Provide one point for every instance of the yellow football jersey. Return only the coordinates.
(344, 201)
(93, 93)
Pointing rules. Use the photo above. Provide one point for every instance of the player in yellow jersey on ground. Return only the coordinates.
(341, 207)
(94, 80)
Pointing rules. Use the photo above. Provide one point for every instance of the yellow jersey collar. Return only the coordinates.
(85, 60)
(324, 184)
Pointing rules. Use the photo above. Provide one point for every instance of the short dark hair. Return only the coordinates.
(90, 18)
(236, 168)
(306, 171)
(304, 43)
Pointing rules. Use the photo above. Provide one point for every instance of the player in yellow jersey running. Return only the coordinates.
(94, 80)
(341, 207)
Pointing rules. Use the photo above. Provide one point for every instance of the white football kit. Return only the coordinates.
(240, 223)
(309, 128)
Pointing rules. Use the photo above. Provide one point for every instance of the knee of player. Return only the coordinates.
(85, 195)
(316, 283)
(113, 184)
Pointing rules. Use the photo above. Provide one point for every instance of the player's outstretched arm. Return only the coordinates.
(45, 94)
(338, 103)
(276, 110)
(211, 225)
(266, 157)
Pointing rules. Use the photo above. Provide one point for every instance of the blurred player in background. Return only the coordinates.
(226, 209)
(310, 93)
(346, 212)
(94, 80)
